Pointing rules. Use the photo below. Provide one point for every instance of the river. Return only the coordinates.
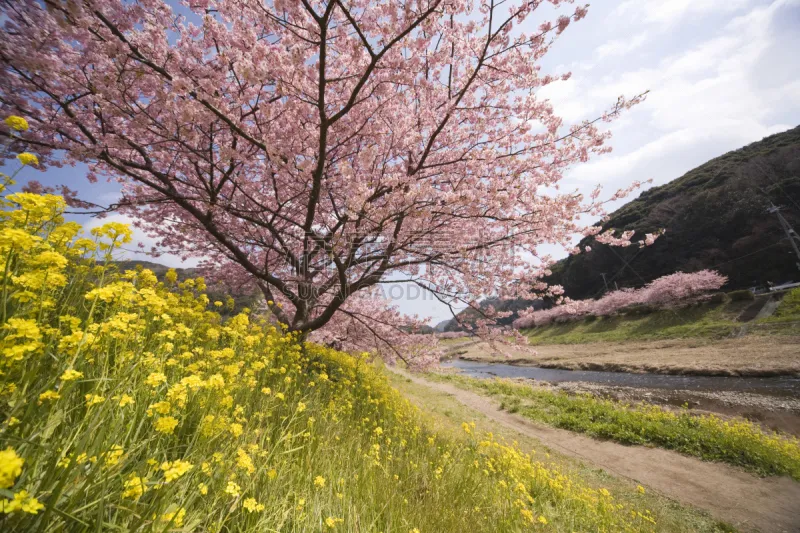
(777, 386)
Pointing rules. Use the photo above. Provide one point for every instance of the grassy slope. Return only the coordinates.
(740, 442)
(446, 415)
(128, 406)
(705, 320)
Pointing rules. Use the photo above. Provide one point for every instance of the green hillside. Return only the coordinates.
(715, 216)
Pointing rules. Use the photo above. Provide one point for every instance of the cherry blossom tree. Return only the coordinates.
(681, 287)
(672, 290)
(613, 301)
(370, 323)
(315, 148)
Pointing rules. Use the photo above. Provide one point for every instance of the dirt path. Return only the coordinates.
(769, 505)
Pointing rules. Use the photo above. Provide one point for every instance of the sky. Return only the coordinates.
(721, 74)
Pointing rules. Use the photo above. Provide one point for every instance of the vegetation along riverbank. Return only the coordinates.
(737, 442)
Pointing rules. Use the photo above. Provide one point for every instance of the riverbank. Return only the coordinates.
(749, 356)
(735, 441)
(727, 493)
(764, 315)
(776, 413)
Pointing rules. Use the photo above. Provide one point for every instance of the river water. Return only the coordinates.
(779, 386)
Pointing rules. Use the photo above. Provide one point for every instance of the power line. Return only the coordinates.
(788, 229)
(628, 263)
(732, 260)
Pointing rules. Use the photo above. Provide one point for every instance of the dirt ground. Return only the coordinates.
(730, 494)
(745, 356)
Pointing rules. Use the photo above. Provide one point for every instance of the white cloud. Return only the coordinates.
(717, 95)
(621, 47)
(669, 12)
(722, 74)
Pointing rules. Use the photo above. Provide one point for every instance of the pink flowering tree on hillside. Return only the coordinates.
(681, 287)
(672, 290)
(315, 147)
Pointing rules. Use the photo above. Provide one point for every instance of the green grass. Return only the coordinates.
(129, 404)
(788, 310)
(706, 320)
(737, 442)
(445, 415)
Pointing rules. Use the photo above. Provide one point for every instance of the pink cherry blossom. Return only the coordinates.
(667, 291)
(315, 149)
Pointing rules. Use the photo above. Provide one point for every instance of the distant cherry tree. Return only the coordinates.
(672, 290)
(316, 148)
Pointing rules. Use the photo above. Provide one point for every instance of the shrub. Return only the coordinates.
(741, 295)
(719, 298)
(639, 310)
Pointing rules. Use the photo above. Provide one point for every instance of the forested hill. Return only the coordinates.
(715, 216)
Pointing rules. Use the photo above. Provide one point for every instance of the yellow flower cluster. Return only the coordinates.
(27, 158)
(10, 467)
(16, 123)
(10, 470)
(131, 398)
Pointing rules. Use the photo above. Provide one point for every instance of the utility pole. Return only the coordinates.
(794, 239)
(604, 280)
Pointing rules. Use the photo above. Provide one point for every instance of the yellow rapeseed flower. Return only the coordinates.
(22, 502)
(233, 489)
(27, 158)
(331, 522)
(116, 231)
(166, 424)
(155, 379)
(161, 408)
(134, 487)
(125, 400)
(252, 506)
(48, 395)
(16, 123)
(10, 467)
(114, 455)
(175, 469)
(176, 517)
(236, 429)
(71, 374)
(244, 461)
(319, 482)
(93, 399)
